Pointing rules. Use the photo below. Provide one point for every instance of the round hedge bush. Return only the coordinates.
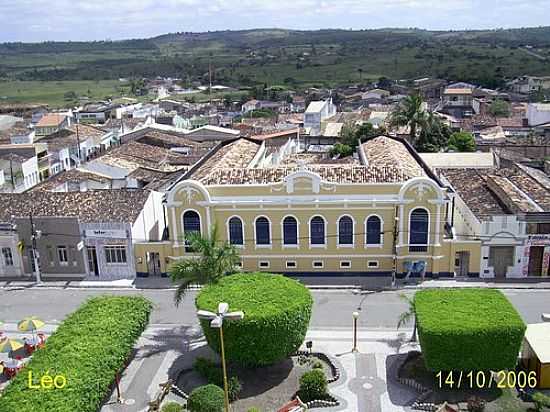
(207, 398)
(313, 386)
(172, 407)
(276, 310)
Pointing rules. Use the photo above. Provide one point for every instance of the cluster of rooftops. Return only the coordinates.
(159, 159)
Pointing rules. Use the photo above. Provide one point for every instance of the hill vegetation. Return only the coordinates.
(289, 57)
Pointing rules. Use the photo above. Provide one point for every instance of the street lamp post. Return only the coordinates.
(216, 321)
(355, 317)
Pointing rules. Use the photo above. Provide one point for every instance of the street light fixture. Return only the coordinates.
(355, 317)
(216, 321)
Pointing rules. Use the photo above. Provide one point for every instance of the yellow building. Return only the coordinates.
(306, 215)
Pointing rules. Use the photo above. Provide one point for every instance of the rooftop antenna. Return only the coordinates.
(210, 79)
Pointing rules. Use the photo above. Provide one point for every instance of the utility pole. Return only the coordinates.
(394, 245)
(35, 257)
(77, 141)
(11, 173)
(210, 80)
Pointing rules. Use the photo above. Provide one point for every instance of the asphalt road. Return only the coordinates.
(332, 309)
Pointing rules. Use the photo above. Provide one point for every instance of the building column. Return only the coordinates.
(175, 226)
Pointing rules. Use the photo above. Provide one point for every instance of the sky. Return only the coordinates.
(46, 20)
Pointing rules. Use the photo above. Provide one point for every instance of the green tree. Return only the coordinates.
(215, 260)
(343, 150)
(499, 108)
(462, 142)
(409, 112)
(408, 315)
(434, 134)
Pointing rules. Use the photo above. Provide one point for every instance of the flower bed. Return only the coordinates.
(87, 349)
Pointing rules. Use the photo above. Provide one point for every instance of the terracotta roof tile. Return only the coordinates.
(90, 206)
(385, 152)
(237, 154)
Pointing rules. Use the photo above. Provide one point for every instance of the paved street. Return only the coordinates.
(332, 309)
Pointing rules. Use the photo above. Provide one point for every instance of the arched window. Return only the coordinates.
(236, 231)
(317, 231)
(263, 235)
(418, 231)
(345, 231)
(374, 230)
(290, 231)
(191, 224)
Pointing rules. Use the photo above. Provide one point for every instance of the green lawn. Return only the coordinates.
(52, 92)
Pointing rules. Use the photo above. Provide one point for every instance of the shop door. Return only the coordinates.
(501, 258)
(153, 263)
(536, 254)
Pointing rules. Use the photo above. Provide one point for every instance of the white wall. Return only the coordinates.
(2, 177)
(10, 240)
(538, 113)
(504, 230)
(30, 172)
(151, 215)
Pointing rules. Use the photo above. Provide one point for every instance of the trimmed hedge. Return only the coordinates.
(88, 348)
(172, 407)
(468, 329)
(213, 373)
(276, 310)
(207, 398)
(313, 386)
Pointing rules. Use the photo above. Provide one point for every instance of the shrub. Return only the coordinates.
(88, 348)
(317, 364)
(253, 410)
(213, 373)
(172, 407)
(313, 385)
(207, 398)
(468, 329)
(276, 310)
(541, 401)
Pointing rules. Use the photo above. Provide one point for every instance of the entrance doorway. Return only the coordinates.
(93, 267)
(501, 258)
(536, 254)
(153, 263)
(462, 263)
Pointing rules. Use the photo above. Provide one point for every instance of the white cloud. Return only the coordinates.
(82, 19)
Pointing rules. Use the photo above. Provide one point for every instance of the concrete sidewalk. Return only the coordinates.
(166, 284)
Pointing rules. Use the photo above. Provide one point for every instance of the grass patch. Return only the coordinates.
(88, 348)
(53, 93)
(468, 329)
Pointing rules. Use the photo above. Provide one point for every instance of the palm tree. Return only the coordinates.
(408, 315)
(409, 113)
(215, 260)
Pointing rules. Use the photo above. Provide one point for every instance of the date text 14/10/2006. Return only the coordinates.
(483, 380)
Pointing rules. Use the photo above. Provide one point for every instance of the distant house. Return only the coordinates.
(212, 133)
(538, 114)
(375, 94)
(95, 113)
(529, 84)
(20, 171)
(254, 104)
(51, 123)
(459, 102)
(316, 112)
